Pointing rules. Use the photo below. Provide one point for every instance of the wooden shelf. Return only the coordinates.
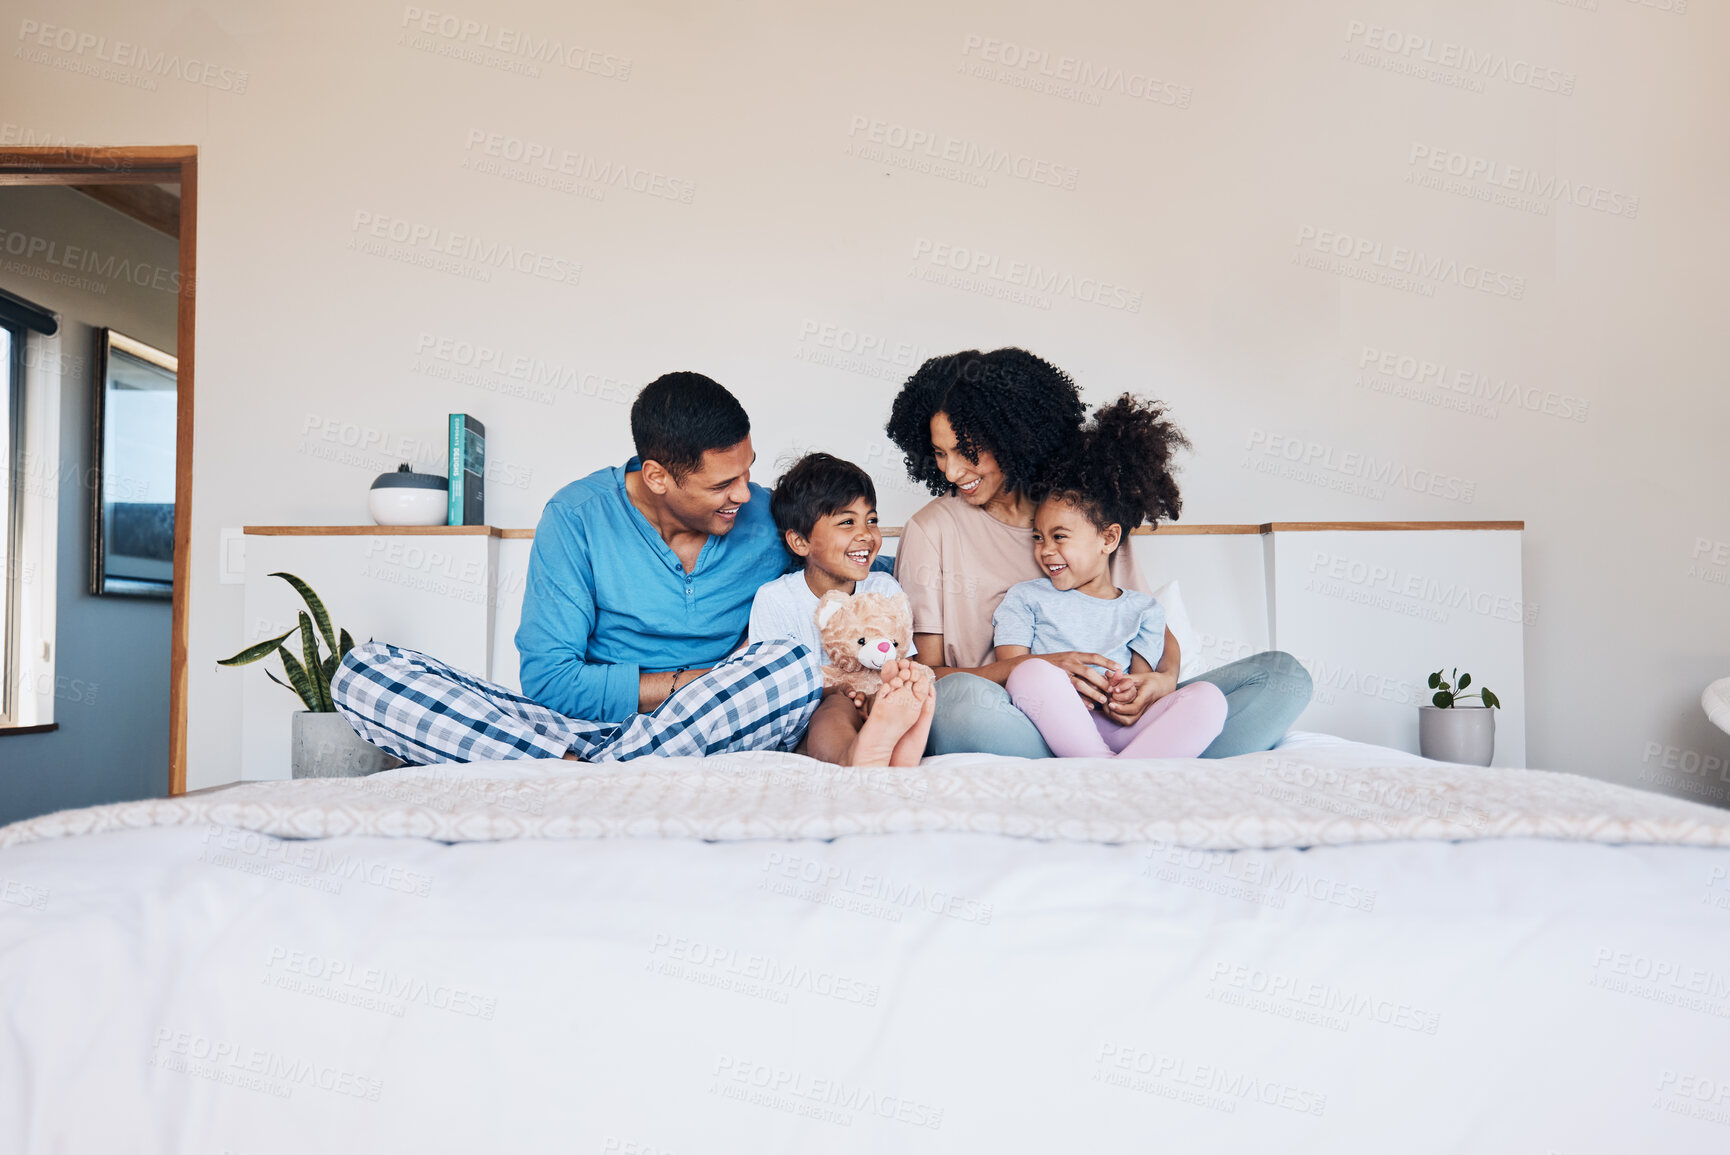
(1384, 526)
(383, 531)
(1170, 530)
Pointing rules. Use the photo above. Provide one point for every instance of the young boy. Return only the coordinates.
(826, 512)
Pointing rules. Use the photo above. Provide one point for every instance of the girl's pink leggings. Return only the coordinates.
(1179, 725)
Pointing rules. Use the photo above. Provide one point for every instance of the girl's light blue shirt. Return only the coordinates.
(1048, 620)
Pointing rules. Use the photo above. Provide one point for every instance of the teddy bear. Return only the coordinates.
(861, 633)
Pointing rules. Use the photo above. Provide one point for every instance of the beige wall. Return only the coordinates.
(1182, 170)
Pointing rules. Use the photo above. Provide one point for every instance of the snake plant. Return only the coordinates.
(309, 675)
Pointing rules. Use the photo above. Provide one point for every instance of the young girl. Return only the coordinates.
(1114, 477)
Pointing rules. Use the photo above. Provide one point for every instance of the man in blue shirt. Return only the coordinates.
(639, 591)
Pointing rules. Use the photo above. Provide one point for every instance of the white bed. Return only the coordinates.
(758, 953)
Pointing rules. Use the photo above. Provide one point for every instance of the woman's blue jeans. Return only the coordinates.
(1264, 694)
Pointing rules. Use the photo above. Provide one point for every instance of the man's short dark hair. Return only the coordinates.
(817, 485)
(678, 417)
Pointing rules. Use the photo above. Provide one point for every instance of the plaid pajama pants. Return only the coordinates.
(424, 711)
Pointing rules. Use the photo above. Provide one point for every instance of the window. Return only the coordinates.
(29, 419)
(11, 509)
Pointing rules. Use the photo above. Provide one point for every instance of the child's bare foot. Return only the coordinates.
(898, 672)
(911, 746)
(892, 713)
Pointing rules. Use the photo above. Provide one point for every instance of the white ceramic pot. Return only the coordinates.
(1463, 734)
(326, 746)
(408, 498)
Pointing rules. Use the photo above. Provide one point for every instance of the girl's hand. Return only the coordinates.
(1132, 694)
(1092, 684)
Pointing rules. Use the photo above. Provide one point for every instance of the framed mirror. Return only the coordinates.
(132, 476)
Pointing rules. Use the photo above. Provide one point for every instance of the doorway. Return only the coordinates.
(156, 188)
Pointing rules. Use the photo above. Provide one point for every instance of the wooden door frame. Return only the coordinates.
(83, 165)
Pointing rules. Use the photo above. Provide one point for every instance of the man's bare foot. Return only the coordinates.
(910, 748)
(891, 715)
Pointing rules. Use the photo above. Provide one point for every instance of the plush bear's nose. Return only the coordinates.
(884, 646)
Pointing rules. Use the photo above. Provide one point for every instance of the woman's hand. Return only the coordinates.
(1132, 694)
(1093, 684)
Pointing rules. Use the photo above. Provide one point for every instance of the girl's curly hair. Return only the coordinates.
(1117, 469)
(1018, 407)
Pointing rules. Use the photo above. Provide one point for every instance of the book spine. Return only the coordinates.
(454, 457)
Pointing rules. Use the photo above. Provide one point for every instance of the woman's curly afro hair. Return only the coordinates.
(1019, 408)
(1117, 469)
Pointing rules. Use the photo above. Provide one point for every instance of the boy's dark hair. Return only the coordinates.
(816, 485)
(1117, 469)
(1016, 406)
(678, 417)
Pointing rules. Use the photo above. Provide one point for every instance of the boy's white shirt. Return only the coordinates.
(786, 607)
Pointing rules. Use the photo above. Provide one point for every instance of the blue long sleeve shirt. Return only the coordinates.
(607, 600)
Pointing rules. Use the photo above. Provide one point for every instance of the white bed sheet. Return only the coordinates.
(198, 988)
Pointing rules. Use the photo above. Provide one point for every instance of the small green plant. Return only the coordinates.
(1448, 694)
(309, 675)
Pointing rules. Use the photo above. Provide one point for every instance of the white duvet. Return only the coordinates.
(755, 954)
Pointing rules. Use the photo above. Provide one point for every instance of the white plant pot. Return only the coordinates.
(1463, 734)
(326, 746)
(408, 506)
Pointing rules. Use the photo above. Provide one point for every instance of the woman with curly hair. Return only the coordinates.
(982, 431)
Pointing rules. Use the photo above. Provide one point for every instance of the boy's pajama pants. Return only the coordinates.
(424, 711)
